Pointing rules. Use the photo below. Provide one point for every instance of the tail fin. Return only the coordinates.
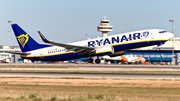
(123, 58)
(26, 42)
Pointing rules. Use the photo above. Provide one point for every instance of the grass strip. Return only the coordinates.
(86, 93)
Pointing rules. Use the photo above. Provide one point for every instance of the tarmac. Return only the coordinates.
(92, 67)
(133, 76)
(86, 65)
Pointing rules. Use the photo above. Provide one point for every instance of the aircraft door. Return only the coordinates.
(142, 37)
(41, 54)
(152, 35)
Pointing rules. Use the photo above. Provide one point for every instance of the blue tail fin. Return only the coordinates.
(26, 42)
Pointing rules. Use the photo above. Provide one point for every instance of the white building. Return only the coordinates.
(4, 55)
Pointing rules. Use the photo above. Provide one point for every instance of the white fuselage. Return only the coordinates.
(107, 44)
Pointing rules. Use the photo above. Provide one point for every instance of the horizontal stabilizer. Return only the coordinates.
(18, 53)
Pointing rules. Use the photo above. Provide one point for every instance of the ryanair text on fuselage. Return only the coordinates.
(112, 40)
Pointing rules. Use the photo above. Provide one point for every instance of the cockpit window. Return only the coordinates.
(162, 31)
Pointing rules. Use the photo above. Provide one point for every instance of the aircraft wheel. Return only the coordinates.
(140, 62)
(97, 61)
(90, 60)
(136, 62)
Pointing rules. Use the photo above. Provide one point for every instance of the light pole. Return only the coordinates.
(10, 36)
(10, 21)
(172, 20)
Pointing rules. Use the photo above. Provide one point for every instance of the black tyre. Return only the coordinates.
(97, 61)
(90, 60)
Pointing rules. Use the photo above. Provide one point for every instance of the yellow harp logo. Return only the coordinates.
(23, 39)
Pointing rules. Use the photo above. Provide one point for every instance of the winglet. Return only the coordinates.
(42, 37)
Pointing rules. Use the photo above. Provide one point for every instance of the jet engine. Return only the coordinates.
(105, 50)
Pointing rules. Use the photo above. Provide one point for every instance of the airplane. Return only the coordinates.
(126, 58)
(110, 45)
(133, 59)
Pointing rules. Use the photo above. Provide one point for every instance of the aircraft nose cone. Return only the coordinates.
(170, 35)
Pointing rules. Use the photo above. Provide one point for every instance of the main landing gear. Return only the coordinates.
(90, 60)
(97, 61)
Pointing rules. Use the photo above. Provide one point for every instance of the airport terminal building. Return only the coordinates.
(7, 57)
(161, 53)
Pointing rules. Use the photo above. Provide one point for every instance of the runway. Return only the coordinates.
(92, 75)
(72, 71)
(90, 65)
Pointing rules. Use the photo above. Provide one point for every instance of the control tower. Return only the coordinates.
(104, 27)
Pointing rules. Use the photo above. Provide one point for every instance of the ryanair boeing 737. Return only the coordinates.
(110, 45)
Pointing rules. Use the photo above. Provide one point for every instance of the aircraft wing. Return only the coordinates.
(71, 47)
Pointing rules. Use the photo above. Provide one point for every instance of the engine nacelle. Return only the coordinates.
(107, 49)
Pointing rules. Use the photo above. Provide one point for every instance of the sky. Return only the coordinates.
(67, 21)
